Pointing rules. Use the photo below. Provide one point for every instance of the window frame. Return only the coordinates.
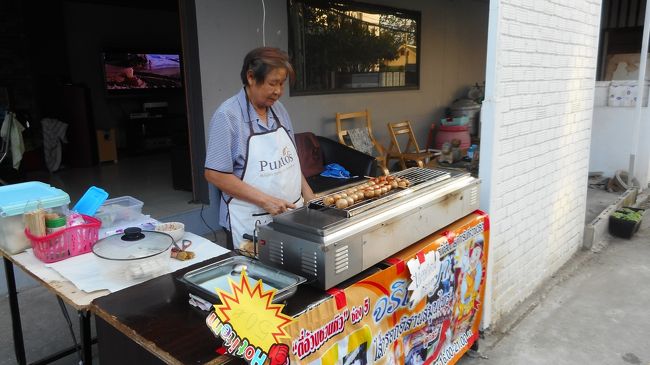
(360, 6)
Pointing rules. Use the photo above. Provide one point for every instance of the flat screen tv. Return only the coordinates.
(141, 71)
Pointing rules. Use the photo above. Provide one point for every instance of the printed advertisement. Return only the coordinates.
(423, 309)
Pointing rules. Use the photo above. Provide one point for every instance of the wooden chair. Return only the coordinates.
(347, 136)
(411, 152)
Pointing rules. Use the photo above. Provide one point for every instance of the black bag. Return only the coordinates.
(309, 154)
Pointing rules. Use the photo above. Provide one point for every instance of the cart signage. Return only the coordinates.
(428, 314)
(425, 275)
(249, 324)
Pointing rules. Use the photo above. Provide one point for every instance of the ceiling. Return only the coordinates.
(168, 5)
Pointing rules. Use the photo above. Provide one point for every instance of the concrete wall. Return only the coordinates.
(452, 59)
(537, 120)
(612, 141)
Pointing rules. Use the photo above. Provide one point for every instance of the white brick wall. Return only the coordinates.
(537, 114)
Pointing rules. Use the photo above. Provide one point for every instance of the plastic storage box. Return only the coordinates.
(91, 201)
(17, 199)
(117, 211)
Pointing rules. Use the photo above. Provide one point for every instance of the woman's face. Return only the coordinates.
(265, 94)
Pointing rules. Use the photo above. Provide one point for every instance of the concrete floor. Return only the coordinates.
(147, 178)
(45, 330)
(591, 312)
(594, 311)
(597, 201)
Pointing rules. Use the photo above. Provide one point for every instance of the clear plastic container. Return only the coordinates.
(17, 199)
(118, 211)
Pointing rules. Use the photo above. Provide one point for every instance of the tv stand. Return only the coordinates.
(152, 132)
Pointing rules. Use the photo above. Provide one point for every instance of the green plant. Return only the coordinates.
(628, 214)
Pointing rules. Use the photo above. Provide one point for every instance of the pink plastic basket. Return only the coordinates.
(68, 242)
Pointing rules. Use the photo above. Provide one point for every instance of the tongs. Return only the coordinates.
(180, 252)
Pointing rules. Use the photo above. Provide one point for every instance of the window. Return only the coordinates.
(339, 46)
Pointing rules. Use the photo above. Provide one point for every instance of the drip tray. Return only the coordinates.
(204, 281)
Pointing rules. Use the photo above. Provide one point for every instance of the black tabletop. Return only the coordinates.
(157, 315)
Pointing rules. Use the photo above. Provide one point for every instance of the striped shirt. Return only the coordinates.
(228, 136)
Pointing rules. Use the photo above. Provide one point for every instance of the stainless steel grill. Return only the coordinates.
(331, 245)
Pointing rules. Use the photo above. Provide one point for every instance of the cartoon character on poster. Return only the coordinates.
(469, 268)
(427, 342)
(354, 349)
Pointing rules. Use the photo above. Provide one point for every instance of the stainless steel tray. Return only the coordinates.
(205, 280)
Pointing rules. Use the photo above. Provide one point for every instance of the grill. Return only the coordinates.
(418, 178)
(329, 244)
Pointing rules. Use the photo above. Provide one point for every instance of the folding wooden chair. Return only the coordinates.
(360, 138)
(411, 152)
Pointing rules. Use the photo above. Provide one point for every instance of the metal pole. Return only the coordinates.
(86, 339)
(17, 328)
(639, 99)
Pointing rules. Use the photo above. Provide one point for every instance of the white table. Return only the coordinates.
(65, 291)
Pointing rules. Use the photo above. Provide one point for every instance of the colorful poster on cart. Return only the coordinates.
(424, 308)
(249, 324)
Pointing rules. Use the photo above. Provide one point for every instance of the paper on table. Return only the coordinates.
(83, 270)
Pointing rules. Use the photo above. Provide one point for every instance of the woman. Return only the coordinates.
(251, 155)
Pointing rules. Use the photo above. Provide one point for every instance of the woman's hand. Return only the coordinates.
(234, 187)
(276, 206)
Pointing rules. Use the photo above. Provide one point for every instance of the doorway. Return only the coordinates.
(127, 139)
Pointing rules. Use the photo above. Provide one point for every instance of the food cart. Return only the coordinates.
(398, 279)
(373, 318)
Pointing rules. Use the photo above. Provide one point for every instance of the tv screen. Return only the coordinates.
(142, 71)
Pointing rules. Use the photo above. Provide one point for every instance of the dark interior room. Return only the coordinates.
(98, 87)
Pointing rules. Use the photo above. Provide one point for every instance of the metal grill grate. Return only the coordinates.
(418, 175)
(418, 178)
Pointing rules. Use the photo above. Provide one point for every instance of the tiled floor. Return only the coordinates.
(146, 178)
(45, 330)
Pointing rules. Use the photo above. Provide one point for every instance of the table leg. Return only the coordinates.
(86, 338)
(17, 328)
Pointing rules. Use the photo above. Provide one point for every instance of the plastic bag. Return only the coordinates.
(336, 171)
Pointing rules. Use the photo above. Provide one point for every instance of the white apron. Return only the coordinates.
(272, 167)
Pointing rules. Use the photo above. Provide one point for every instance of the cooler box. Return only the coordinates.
(17, 199)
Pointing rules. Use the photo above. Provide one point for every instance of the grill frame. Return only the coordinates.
(418, 177)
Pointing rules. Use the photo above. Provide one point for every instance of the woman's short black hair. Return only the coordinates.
(262, 61)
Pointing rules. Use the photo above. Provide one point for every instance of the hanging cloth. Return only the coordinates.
(53, 136)
(12, 133)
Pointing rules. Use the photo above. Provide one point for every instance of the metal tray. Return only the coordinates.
(204, 280)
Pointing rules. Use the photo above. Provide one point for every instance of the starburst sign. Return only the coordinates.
(252, 314)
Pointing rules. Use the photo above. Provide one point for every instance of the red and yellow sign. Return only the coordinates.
(249, 324)
(424, 308)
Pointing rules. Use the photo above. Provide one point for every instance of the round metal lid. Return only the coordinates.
(465, 104)
(133, 244)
